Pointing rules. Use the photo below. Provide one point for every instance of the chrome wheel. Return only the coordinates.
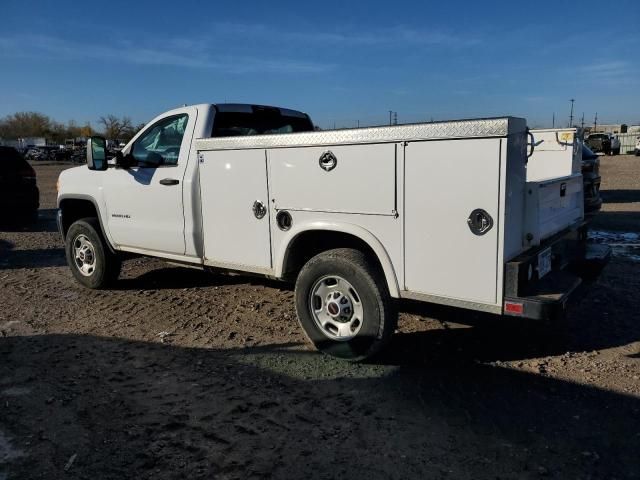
(336, 308)
(84, 255)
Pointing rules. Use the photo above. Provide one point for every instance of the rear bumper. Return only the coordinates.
(574, 264)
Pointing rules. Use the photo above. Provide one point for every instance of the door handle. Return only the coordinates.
(169, 181)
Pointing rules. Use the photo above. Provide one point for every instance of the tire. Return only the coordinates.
(369, 318)
(100, 267)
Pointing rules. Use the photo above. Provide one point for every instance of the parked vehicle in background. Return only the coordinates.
(637, 151)
(606, 143)
(19, 195)
(436, 212)
(615, 145)
(591, 181)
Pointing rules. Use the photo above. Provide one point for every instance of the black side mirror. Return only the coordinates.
(97, 153)
(124, 161)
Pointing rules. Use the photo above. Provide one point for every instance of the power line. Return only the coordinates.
(571, 114)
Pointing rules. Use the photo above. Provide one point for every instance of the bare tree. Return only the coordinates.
(112, 126)
(115, 128)
(25, 124)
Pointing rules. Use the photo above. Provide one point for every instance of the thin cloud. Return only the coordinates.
(612, 72)
(178, 53)
(394, 36)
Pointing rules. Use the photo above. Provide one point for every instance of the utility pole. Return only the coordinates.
(553, 120)
(358, 123)
(595, 123)
(390, 113)
(571, 114)
(395, 118)
(582, 121)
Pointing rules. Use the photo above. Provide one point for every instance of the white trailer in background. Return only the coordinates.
(438, 212)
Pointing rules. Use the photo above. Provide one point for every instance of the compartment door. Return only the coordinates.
(445, 182)
(233, 185)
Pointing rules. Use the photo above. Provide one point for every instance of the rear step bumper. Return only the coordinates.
(575, 264)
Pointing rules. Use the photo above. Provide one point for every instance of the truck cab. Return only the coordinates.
(159, 169)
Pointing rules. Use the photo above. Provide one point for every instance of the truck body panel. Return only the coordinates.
(299, 183)
(557, 153)
(445, 207)
(440, 194)
(230, 183)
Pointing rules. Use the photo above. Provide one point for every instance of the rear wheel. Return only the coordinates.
(88, 255)
(344, 306)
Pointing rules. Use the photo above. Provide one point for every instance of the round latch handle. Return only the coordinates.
(259, 209)
(479, 222)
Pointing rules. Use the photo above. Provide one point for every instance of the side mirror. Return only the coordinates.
(97, 153)
(124, 161)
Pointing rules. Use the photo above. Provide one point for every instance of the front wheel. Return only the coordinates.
(88, 255)
(343, 304)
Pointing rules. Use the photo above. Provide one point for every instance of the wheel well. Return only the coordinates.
(309, 244)
(74, 209)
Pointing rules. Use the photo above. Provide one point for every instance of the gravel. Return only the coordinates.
(176, 373)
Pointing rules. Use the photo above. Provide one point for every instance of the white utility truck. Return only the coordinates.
(436, 212)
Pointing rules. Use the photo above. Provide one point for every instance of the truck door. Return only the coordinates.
(445, 182)
(235, 209)
(144, 202)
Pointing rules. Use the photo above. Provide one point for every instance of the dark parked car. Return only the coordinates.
(19, 195)
(606, 143)
(591, 181)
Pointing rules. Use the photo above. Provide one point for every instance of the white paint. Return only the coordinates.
(548, 211)
(230, 182)
(143, 213)
(409, 200)
(300, 184)
(558, 153)
(445, 181)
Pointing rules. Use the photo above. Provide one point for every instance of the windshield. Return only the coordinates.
(231, 124)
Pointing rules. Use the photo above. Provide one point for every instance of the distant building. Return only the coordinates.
(24, 143)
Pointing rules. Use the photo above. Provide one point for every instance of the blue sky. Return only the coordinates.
(340, 61)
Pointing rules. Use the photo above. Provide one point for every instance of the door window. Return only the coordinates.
(160, 144)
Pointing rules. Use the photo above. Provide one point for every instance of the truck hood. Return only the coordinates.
(79, 182)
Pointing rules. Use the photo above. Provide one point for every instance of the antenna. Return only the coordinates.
(595, 122)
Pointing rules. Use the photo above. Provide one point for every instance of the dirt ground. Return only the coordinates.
(181, 374)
